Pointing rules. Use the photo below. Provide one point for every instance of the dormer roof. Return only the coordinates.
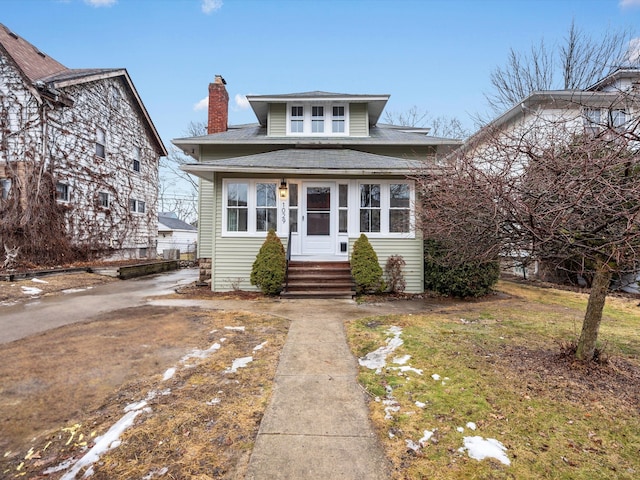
(260, 103)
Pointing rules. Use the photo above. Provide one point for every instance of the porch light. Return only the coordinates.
(282, 190)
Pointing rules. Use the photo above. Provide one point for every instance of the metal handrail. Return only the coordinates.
(286, 272)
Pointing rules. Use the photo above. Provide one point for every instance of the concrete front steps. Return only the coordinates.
(319, 280)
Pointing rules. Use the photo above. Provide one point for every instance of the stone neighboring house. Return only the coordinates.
(88, 130)
(173, 234)
(610, 108)
(317, 168)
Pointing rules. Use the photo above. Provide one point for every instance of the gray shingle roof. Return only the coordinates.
(309, 161)
(174, 224)
(256, 134)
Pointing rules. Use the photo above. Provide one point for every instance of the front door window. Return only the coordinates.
(318, 211)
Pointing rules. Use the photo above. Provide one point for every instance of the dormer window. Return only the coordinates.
(337, 121)
(317, 119)
(297, 119)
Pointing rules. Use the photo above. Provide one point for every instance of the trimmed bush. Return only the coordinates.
(462, 280)
(365, 269)
(270, 266)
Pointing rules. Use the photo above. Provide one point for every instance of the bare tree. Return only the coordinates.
(182, 203)
(544, 190)
(576, 62)
(441, 126)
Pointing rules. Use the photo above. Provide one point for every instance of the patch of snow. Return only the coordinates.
(31, 290)
(412, 445)
(200, 354)
(73, 290)
(401, 360)
(61, 466)
(420, 404)
(392, 406)
(37, 280)
(480, 448)
(435, 376)
(471, 425)
(136, 406)
(235, 329)
(169, 374)
(407, 368)
(378, 358)
(157, 472)
(460, 429)
(259, 347)
(426, 437)
(213, 401)
(239, 363)
(104, 443)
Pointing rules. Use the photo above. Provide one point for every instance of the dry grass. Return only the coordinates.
(63, 389)
(501, 366)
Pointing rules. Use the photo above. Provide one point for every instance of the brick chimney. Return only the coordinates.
(218, 106)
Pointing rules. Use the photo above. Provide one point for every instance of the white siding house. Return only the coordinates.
(88, 132)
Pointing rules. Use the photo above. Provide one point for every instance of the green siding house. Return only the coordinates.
(319, 170)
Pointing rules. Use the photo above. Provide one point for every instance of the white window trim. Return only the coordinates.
(252, 205)
(136, 210)
(385, 204)
(328, 119)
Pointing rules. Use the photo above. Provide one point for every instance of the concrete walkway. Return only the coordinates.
(317, 424)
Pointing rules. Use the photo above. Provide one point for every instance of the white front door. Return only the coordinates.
(318, 218)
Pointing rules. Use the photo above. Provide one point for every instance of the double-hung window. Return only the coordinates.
(266, 207)
(100, 143)
(317, 119)
(592, 120)
(337, 120)
(297, 119)
(5, 187)
(62, 192)
(137, 206)
(136, 159)
(385, 208)
(237, 207)
(103, 199)
(618, 118)
(399, 203)
(251, 206)
(370, 208)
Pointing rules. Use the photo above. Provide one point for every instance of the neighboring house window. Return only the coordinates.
(293, 207)
(100, 143)
(343, 208)
(337, 121)
(317, 119)
(5, 187)
(62, 192)
(103, 199)
(297, 119)
(266, 207)
(237, 207)
(592, 119)
(136, 159)
(370, 208)
(399, 201)
(618, 118)
(137, 206)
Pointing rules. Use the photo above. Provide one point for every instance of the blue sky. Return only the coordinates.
(434, 54)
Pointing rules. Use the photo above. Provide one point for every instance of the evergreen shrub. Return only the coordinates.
(365, 269)
(459, 280)
(269, 268)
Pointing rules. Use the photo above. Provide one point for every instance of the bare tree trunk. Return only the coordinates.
(591, 325)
